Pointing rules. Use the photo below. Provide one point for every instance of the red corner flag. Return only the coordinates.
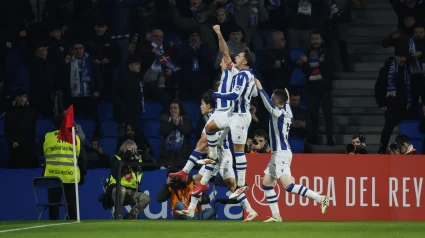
(65, 132)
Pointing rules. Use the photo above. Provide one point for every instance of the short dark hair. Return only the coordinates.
(294, 93)
(280, 95)
(419, 26)
(316, 33)
(182, 109)
(401, 139)
(260, 132)
(249, 57)
(208, 98)
(354, 137)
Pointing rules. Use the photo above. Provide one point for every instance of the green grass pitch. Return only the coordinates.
(213, 229)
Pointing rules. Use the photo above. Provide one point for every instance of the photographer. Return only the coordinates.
(130, 180)
(401, 146)
(178, 192)
(358, 145)
(259, 144)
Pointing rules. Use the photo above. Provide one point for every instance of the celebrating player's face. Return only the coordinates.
(239, 59)
(204, 108)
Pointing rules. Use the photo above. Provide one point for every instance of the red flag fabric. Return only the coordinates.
(65, 132)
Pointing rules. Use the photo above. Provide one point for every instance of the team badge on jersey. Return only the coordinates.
(237, 88)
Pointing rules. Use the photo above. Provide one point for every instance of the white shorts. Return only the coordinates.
(221, 119)
(239, 124)
(279, 164)
(221, 135)
(224, 165)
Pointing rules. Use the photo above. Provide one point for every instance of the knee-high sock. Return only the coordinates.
(240, 167)
(191, 162)
(244, 202)
(212, 143)
(207, 174)
(303, 191)
(271, 199)
(194, 202)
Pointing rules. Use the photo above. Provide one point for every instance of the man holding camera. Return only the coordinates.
(358, 145)
(178, 193)
(130, 180)
(402, 146)
(259, 144)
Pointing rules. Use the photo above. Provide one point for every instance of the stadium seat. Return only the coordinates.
(410, 128)
(108, 144)
(155, 142)
(105, 110)
(87, 125)
(14, 87)
(418, 145)
(296, 53)
(152, 110)
(4, 148)
(2, 126)
(193, 141)
(298, 78)
(192, 109)
(297, 145)
(43, 125)
(150, 127)
(109, 128)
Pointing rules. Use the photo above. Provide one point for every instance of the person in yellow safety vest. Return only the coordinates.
(130, 181)
(59, 161)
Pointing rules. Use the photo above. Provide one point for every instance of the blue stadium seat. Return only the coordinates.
(296, 53)
(298, 78)
(155, 142)
(43, 125)
(116, 74)
(109, 128)
(192, 109)
(22, 75)
(150, 127)
(105, 110)
(87, 125)
(193, 141)
(258, 55)
(297, 145)
(108, 144)
(152, 110)
(417, 144)
(4, 148)
(14, 87)
(2, 126)
(410, 128)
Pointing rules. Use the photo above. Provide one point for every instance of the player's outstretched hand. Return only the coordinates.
(258, 84)
(287, 93)
(217, 29)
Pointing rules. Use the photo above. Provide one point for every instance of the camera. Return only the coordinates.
(351, 149)
(394, 147)
(254, 142)
(362, 137)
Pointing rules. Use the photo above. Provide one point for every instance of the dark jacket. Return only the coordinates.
(127, 98)
(401, 42)
(101, 47)
(300, 114)
(421, 129)
(277, 77)
(19, 125)
(325, 84)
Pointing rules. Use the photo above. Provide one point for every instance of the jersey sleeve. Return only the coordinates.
(269, 105)
(240, 83)
(288, 111)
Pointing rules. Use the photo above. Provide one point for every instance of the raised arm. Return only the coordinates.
(222, 45)
(266, 100)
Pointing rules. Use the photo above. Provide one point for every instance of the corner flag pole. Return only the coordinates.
(75, 174)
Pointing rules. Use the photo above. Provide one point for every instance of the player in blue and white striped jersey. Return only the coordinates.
(279, 166)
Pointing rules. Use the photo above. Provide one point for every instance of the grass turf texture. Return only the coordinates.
(212, 229)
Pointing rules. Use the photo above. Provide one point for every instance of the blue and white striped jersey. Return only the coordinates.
(280, 122)
(243, 89)
(226, 87)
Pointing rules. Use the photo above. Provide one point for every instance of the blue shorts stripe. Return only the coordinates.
(267, 187)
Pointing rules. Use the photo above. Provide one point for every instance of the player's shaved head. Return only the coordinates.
(280, 96)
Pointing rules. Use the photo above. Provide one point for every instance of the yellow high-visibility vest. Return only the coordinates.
(131, 183)
(60, 157)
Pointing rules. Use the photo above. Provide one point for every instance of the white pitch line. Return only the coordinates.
(35, 227)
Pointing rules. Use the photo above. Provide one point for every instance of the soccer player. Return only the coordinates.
(224, 167)
(220, 117)
(243, 89)
(279, 165)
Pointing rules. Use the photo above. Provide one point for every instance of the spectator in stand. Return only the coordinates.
(158, 67)
(42, 77)
(259, 144)
(276, 64)
(247, 13)
(215, 85)
(341, 30)
(416, 7)
(133, 133)
(315, 63)
(421, 129)
(417, 60)
(401, 37)
(402, 146)
(199, 22)
(83, 74)
(301, 125)
(19, 129)
(235, 44)
(95, 156)
(392, 94)
(195, 58)
(226, 22)
(304, 16)
(104, 54)
(57, 45)
(4, 98)
(128, 97)
(175, 128)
